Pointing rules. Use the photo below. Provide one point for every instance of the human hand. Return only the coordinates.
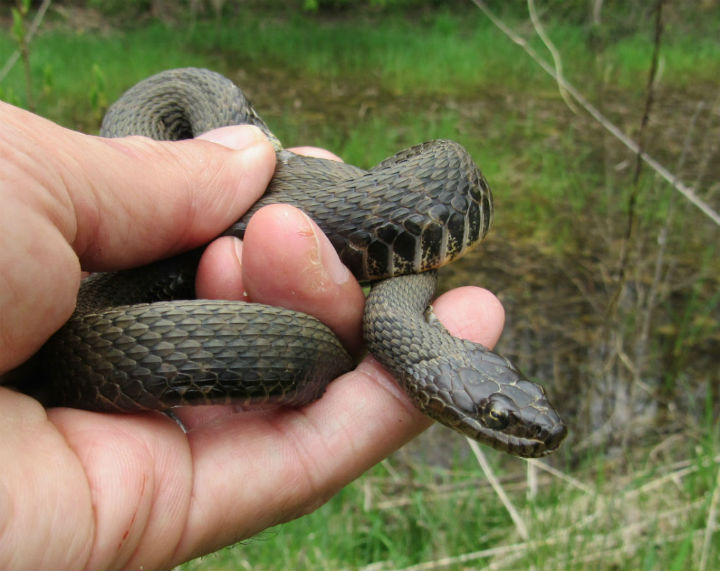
(88, 490)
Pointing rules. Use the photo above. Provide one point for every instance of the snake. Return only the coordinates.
(139, 340)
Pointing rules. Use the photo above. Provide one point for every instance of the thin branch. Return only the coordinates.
(574, 482)
(557, 60)
(650, 89)
(514, 514)
(37, 20)
(681, 187)
(632, 204)
(710, 525)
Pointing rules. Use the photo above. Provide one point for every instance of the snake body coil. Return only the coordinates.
(131, 345)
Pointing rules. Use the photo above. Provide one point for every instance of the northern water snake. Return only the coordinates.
(134, 345)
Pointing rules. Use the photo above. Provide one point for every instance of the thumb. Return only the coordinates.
(73, 201)
(141, 199)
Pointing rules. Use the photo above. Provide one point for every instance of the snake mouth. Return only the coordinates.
(545, 441)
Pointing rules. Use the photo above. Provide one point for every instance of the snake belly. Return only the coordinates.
(138, 339)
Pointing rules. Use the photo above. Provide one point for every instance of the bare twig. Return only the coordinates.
(574, 482)
(532, 481)
(15, 56)
(710, 524)
(650, 91)
(485, 553)
(642, 134)
(557, 60)
(514, 514)
(689, 193)
(640, 347)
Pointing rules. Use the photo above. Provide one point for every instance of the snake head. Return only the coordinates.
(531, 430)
(490, 400)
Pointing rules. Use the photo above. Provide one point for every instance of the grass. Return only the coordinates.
(416, 516)
(365, 88)
(458, 53)
(79, 72)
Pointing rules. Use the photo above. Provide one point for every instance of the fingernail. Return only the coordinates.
(327, 256)
(238, 250)
(236, 137)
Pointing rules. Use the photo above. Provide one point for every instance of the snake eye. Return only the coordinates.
(498, 413)
(497, 418)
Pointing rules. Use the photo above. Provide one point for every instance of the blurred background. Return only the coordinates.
(597, 125)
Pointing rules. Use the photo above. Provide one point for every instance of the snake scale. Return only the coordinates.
(138, 339)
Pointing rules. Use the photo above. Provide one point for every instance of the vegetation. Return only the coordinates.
(609, 275)
(408, 513)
